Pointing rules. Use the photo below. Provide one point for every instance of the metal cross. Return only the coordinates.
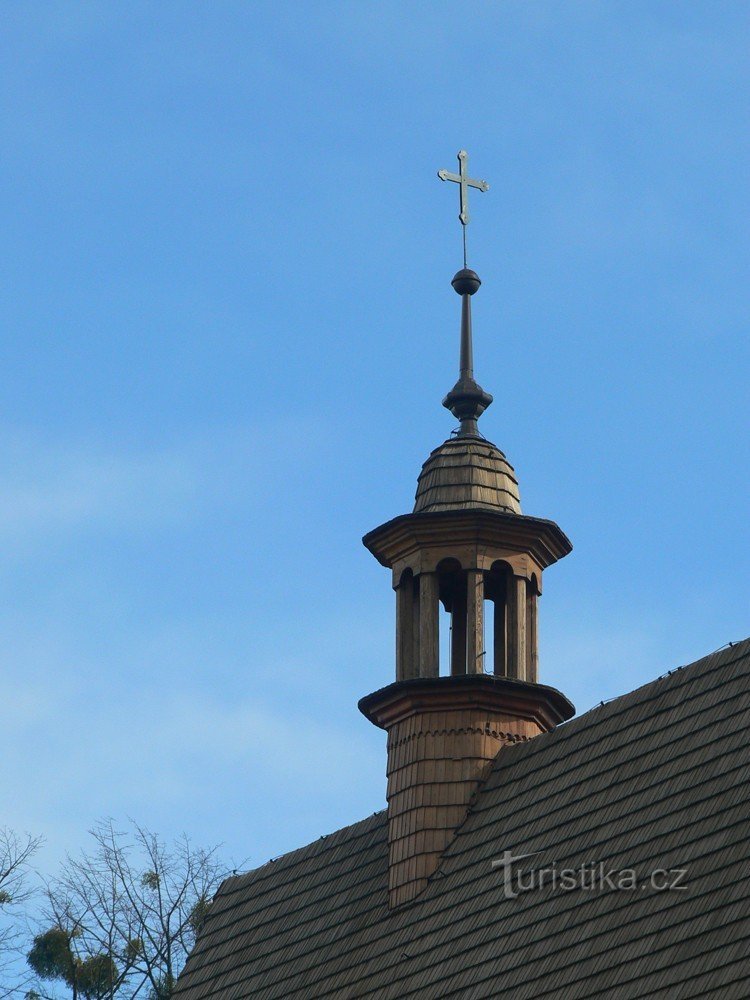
(464, 183)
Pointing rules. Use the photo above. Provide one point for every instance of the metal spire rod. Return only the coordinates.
(466, 362)
(467, 400)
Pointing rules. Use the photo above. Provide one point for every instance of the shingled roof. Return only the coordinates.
(656, 779)
(465, 473)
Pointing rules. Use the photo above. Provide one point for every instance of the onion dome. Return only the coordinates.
(467, 473)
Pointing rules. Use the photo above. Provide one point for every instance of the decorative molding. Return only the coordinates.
(463, 730)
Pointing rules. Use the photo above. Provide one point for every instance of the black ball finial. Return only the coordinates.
(466, 281)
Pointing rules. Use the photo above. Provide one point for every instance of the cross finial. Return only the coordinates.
(464, 182)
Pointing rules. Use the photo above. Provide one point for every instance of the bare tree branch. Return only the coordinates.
(16, 852)
(135, 901)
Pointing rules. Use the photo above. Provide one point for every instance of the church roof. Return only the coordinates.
(467, 472)
(654, 780)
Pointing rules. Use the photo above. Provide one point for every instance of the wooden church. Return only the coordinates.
(523, 853)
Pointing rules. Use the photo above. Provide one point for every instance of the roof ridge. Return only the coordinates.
(328, 837)
(682, 671)
(540, 744)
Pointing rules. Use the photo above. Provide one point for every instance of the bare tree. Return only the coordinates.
(121, 919)
(15, 855)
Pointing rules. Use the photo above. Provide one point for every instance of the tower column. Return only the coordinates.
(458, 632)
(405, 660)
(532, 636)
(474, 621)
(517, 628)
(415, 603)
(500, 637)
(429, 663)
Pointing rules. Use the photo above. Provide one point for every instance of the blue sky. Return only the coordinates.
(227, 328)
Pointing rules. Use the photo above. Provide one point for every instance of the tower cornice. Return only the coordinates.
(434, 532)
(539, 703)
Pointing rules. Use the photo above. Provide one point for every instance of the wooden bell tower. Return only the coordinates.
(466, 544)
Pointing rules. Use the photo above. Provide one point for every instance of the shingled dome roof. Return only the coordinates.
(464, 473)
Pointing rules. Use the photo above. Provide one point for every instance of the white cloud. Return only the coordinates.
(74, 486)
(70, 489)
(69, 758)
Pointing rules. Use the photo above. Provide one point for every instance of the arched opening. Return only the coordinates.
(462, 595)
(452, 595)
(470, 602)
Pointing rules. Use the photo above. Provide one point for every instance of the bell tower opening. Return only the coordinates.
(497, 587)
(452, 595)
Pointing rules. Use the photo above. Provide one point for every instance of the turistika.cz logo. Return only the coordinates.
(593, 876)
